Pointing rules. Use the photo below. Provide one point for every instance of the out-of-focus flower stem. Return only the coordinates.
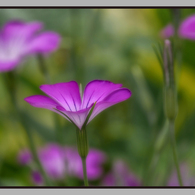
(85, 172)
(170, 100)
(10, 82)
(44, 70)
(173, 146)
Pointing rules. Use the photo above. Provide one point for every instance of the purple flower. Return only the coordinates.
(186, 29)
(65, 99)
(167, 32)
(19, 39)
(24, 157)
(51, 158)
(60, 161)
(94, 161)
(37, 178)
(187, 178)
(120, 176)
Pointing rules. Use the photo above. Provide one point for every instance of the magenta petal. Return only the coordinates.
(97, 90)
(66, 94)
(41, 101)
(121, 176)
(72, 160)
(52, 160)
(94, 162)
(8, 65)
(78, 117)
(167, 32)
(13, 41)
(115, 97)
(187, 28)
(19, 39)
(20, 30)
(44, 43)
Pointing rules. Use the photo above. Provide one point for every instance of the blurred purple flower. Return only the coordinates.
(61, 161)
(51, 157)
(94, 161)
(187, 178)
(167, 32)
(24, 157)
(65, 99)
(186, 29)
(37, 178)
(19, 39)
(120, 176)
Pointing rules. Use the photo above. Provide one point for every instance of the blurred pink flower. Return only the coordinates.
(120, 175)
(167, 32)
(186, 29)
(37, 178)
(19, 40)
(187, 178)
(51, 158)
(24, 157)
(60, 161)
(94, 161)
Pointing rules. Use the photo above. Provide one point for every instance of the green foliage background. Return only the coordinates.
(109, 44)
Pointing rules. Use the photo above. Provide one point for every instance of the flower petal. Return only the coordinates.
(167, 31)
(41, 101)
(187, 28)
(20, 30)
(115, 97)
(95, 159)
(13, 41)
(78, 117)
(52, 160)
(66, 94)
(44, 43)
(8, 66)
(97, 90)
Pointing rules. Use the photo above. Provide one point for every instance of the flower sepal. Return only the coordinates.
(82, 142)
(88, 116)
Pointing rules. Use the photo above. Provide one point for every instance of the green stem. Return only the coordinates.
(82, 146)
(9, 78)
(173, 145)
(85, 172)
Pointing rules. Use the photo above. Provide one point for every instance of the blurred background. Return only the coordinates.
(108, 44)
